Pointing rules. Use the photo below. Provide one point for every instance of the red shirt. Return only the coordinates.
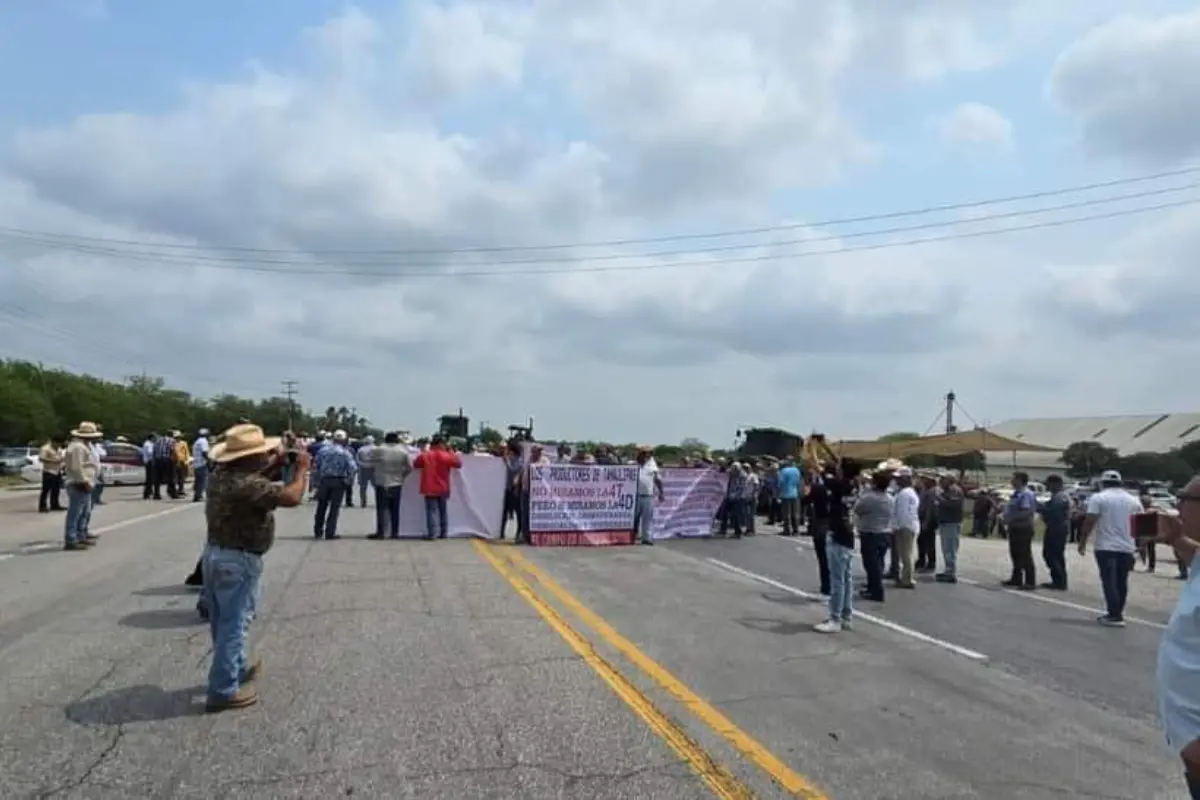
(435, 465)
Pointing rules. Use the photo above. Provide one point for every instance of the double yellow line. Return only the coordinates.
(523, 575)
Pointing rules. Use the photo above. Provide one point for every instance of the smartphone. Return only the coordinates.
(1145, 527)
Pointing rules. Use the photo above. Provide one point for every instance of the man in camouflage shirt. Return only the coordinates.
(240, 514)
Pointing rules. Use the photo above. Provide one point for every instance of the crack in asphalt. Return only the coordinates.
(118, 733)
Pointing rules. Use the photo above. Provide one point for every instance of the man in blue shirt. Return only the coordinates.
(1018, 519)
(789, 494)
(1178, 674)
(335, 468)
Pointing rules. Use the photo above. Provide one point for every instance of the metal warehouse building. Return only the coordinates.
(1139, 433)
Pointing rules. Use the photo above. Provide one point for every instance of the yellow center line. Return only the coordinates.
(787, 778)
(723, 783)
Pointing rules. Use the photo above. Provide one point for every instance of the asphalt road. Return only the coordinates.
(459, 670)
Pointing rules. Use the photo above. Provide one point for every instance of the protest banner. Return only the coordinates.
(573, 504)
(476, 504)
(690, 501)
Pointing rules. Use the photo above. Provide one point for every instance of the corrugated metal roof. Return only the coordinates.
(1153, 433)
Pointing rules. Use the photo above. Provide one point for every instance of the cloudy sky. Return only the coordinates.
(631, 219)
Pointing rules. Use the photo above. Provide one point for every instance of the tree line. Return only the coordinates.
(1085, 459)
(38, 402)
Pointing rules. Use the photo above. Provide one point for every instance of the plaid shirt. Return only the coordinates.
(164, 449)
(737, 485)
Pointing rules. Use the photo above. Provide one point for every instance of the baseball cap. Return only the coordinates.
(1110, 476)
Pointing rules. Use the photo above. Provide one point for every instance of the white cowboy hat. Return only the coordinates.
(87, 430)
(242, 441)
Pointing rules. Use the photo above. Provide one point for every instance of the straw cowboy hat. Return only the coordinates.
(87, 430)
(243, 441)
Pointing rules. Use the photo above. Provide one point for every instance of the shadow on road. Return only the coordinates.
(776, 626)
(176, 590)
(137, 704)
(162, 619)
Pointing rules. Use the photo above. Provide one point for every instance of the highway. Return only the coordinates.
(458, 669)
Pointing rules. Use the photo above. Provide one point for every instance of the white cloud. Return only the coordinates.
(976, 125)
(469, 125)
(1130, 87)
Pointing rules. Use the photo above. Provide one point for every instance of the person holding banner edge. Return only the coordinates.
(649, 487)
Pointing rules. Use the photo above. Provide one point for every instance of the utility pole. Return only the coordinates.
(950, 400)
(290, 391)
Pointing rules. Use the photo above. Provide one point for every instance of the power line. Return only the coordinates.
(288, 262)
(961, 206)
(290, 392)
(761, 258)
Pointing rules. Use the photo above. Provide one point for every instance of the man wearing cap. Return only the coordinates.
(200, 452)
(1110, 517)
(80, 471)
(906, 525)
(240, 516)
(334, 468)
(649, 487)
(366, 470)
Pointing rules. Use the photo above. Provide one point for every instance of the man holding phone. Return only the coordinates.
(1110, 515)
(1178, 674)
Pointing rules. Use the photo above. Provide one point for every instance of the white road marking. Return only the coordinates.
(125, 523)
(1041, 598)
(974, 655)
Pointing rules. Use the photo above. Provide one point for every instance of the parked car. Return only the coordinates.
(14, 459)
(121, 466)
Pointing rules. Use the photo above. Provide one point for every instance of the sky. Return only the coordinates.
(632, 221)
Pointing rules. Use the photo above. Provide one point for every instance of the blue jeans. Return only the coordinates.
(231, 581)
(79, 512)
(387, 510)
(643, 517)
(1114, 578)
(330, 493)
(841, 580)
(199, 482)
(435, 517)
(97, 493)
(950, 533)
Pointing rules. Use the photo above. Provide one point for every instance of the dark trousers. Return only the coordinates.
(735, 514)
(775, 511)
(150, 468)
(164, 475)
(523, 517)
(927, 548)
(820, 528)
(1114, 578)
(50, 497)
(435, 517)
(1076, 529)
(873, 547)
(512, 508)
(1054, 553)
(1020, 553)
(387, 511)
(348, 500)
(979, 527)
(330, 494)
(1193, 785)
(790, 512)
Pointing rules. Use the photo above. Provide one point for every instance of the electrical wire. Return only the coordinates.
(935, 209)
(232, 259)
(452, 272)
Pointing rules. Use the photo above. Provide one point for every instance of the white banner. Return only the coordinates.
(572, 498)
(691, 498)
(476, 502)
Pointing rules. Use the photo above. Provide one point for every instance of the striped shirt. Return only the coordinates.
(164, 449)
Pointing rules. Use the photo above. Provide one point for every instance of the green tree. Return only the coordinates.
(1084, 459)
(490, 436)
(36, 402)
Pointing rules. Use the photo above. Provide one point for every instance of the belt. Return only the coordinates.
(259, 553)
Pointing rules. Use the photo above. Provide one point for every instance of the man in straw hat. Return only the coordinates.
(81, 470)
(241, 529)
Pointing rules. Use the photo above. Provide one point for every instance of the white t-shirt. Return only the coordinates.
(905, 512)
(1114, 509)
(646, 474)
